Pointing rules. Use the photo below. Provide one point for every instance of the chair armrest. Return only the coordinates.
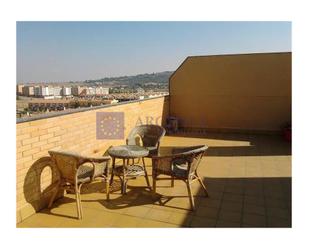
(158, 145)
(178, 150)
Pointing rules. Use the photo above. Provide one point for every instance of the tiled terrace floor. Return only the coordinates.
(248, 178)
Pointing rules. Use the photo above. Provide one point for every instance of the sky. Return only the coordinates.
(77, 51)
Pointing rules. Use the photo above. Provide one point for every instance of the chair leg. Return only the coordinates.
(190, 196)
(173, 182)
(203, 186)
(107, 188)
(80, 201)
(77, 202)
(124, 186)
(154, 184)
(146, 175)
(112, 174)
(124, 180)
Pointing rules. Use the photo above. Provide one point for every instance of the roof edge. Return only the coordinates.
(254, 53)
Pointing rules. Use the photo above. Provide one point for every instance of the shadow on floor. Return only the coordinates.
(259, 145)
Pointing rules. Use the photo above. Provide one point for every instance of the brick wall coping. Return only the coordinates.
(84, 109)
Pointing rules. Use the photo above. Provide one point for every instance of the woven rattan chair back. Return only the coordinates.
(67, 164)
(149, 134)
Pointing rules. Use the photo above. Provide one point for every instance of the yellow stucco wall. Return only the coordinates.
(73, 132)
(241, 92)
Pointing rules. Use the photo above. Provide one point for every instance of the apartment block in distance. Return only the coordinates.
(79, 90)
(101, 91)
(28, 91)
(57, 91)
(66, 91)
(19, 89)
(90, 91)
(41, 91)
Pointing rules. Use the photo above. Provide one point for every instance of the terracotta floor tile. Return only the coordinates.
(254, 220)
(233, 197)
(159, 215)
(137, 211)
(210, 202)
(254, 209)
(155, 224)
(232, 206)
(275, 203)
(230, 216)
(254, 200)
(278, 213)
(182, 220)
(127, 222)
(202, 222)
(279, 222)
(224, 223)
(234, 189)
(208, 212)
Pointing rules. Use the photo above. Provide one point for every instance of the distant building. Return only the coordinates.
(36, 91)
(90, 91)
(51, 91)
(101, 90)
(28, 91)
(41, 91)
(66, 91)
(19, 89)
(57, 91)
(79, 90)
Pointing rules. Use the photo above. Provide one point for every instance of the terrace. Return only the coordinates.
(248, 178)
(247, 167)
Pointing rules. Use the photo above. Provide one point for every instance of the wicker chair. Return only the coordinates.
(181, 165)
(150, 136)
(75, 170)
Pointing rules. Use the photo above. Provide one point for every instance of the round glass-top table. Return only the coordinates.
(128, 171)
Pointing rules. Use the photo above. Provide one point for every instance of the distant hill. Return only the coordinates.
(140, 79)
